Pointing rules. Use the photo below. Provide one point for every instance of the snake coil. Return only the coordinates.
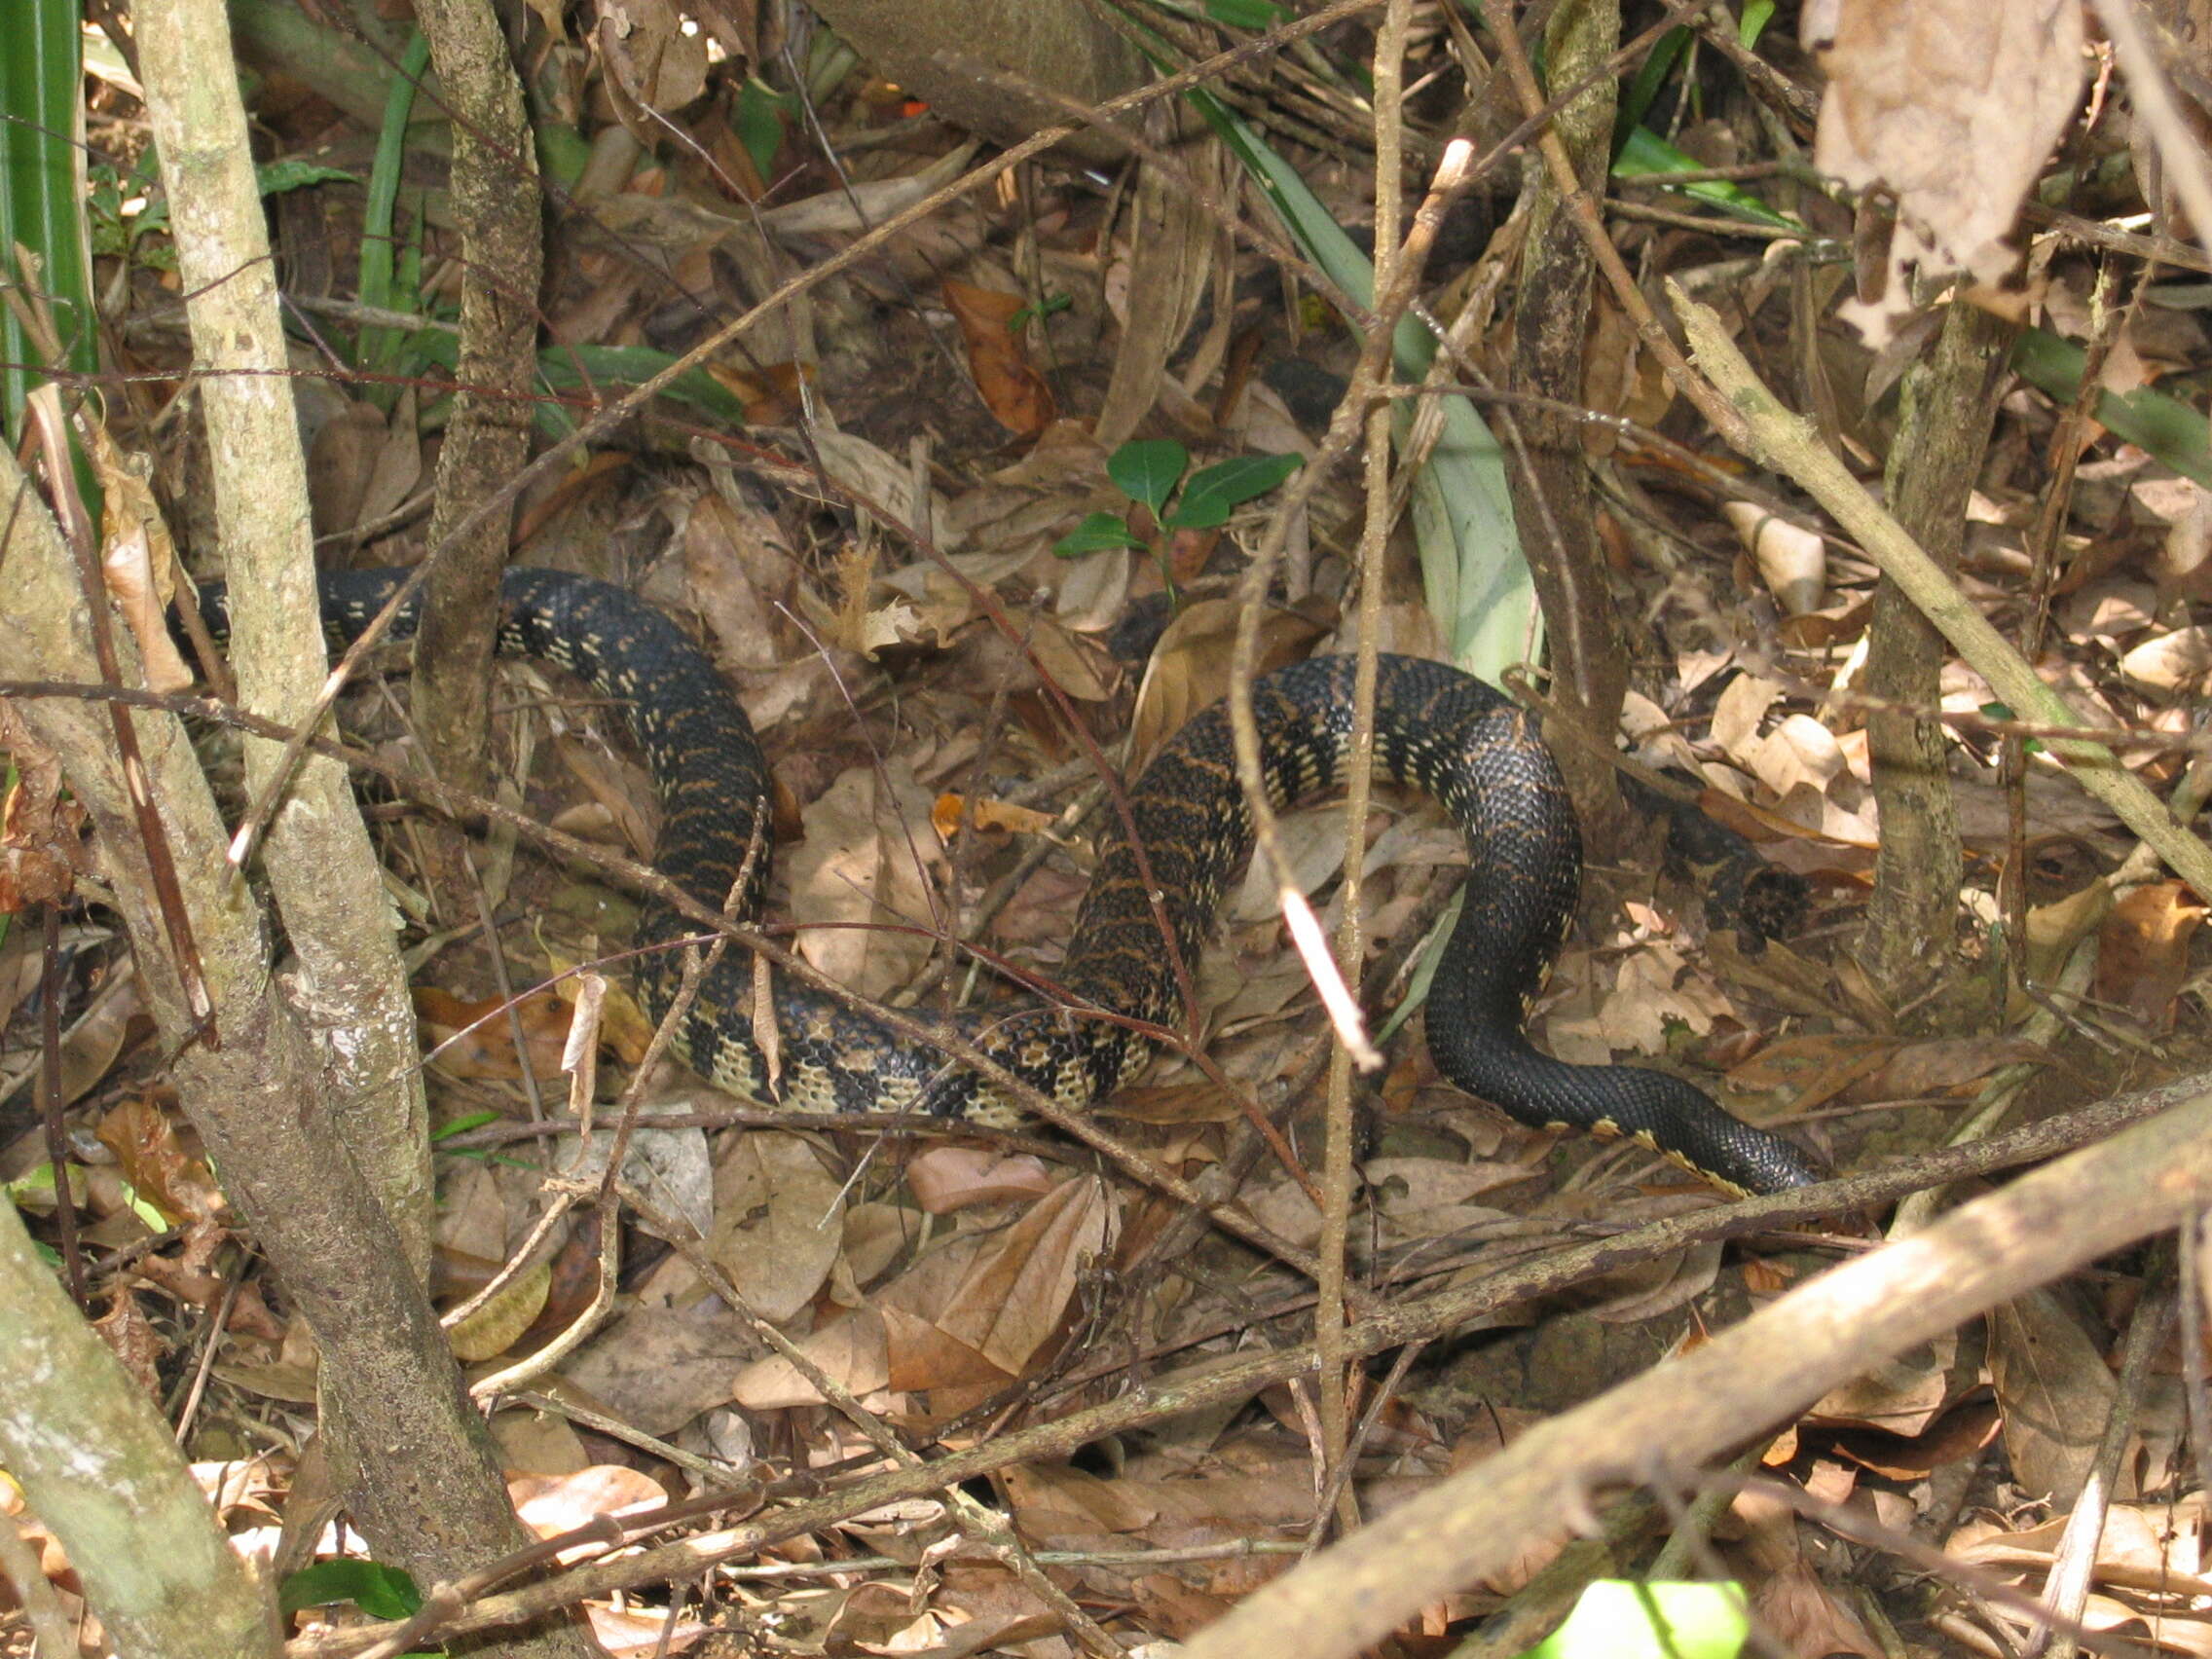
(1437, 729)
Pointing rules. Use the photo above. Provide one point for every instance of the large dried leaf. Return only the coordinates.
(2055, 1392)
(859, 866)
(1954, 105)
(779, 1215)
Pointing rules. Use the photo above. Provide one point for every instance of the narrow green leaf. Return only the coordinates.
(42, 192)
(1147, 469)
(1477, 582)
(1094, 534)
(1646, 155)
(2150, 420)
(1651, 76)
(759, 123)
(1215, 490)
(1254, 15)
(275, 178)
(462, 1124)
(382, 1592)
(376, 346)
(570, 368)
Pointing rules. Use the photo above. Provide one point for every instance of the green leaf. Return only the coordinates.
(378, 347)
(562, 152)
(1647, 155)
(1255, 15)
(2004, 712)
(1146, 470)
(1757, 13)
(570, 368)
(42, 194)
(2150, 420)
(276, 177)
(1478, 583)
(1619, 1620)
(145, 1210)
(1213, 491)
(462, 1124)
(1050, 306)
(1094, 534)
(382, 1592)
(759, 123)
(1658, 63)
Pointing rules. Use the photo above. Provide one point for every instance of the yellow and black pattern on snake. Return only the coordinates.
(1436, 729)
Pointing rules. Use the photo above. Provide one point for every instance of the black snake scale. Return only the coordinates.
(1437, 729)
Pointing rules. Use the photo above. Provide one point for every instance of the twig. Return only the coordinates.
(2074, 1563)
(1212, 1383)
(1762, 429)
(1709, 1401)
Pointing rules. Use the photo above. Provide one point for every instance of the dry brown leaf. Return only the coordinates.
(1739, 711)
(130, 1337)
(1013, 389)
(1954, 105)
(923, 1357)
(621, 788)
(854, 1351)
(866, 836)
(987, 813)
(138, 559)
(1077, 664)
(1017, 1292)
(476, 1039)
(1793, 562)
(2143, 953)
(2170, 661)
(154, 1160)
(645, 1630)
(1940, 1065)
(658, 1368)
(2055, 1392)
(1803, 1616)
(550, 1505)
(1190, 668)
(340, 461)
(652, 60)
(1901, 1398)
(514, 1307)
(1814, 1068)
(946, 1179)
(1959, 1433)
(40, 826)
(779, 1215)
(397, 467)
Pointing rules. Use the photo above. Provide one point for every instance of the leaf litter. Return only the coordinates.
(955, 1289)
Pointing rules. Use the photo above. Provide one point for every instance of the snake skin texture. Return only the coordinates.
(1436, 729)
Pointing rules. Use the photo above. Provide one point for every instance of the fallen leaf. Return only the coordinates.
(1014, 391)
(1954, 105)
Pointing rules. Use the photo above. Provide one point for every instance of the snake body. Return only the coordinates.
(1436, 729)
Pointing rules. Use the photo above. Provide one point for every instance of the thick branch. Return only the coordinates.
(1746, 1381)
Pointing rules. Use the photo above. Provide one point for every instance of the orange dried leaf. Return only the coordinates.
(154, 1160)
(2143, 954)
(1015, 393)
(476, 1039)
(987, 813)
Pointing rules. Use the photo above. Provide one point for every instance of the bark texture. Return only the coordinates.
(496, 202)
(1553, 501)
(1950, 403)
